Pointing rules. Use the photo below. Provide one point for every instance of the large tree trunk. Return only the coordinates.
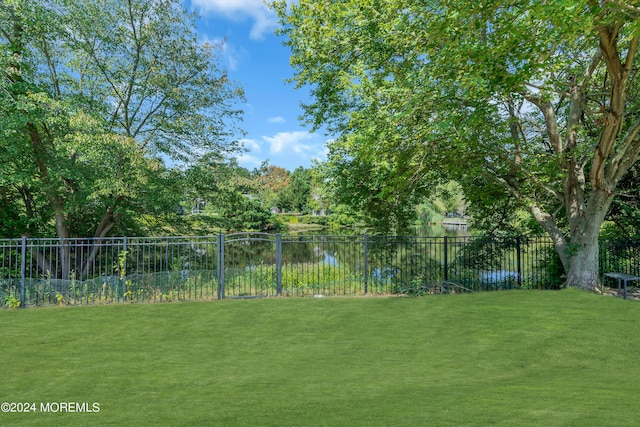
(583, 271)
(106, 224)
(582, 252)
(40, 152)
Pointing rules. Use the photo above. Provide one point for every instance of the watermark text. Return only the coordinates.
(53, 407)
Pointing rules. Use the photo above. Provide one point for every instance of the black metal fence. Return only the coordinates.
(35, 272)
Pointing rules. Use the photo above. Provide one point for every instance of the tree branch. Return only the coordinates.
(624, 5)
(577, 95)
(551, 122)
(614, 117)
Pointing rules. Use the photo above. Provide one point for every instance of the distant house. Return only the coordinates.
(198, 206)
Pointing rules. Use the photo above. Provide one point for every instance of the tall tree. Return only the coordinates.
(538, 99)
(231, 192)
(300, 189)
(272, 181)
(92, 94)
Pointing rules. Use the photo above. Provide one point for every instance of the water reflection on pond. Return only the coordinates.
(437, 230)
(327, 258)
(430, 230)
(339, 248)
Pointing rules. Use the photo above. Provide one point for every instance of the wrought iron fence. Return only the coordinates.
(35, 272)
(621, 257)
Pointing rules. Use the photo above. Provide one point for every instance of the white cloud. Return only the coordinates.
(251, 145)
(277, 119)
(248, 161)
(264, 19)
(289, 141)
(284, 149)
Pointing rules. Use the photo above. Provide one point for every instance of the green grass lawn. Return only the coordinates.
(510, 358)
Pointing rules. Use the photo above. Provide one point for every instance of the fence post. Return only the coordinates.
(123, 274)
(446, 259)
(166, 253)
(220, 266)
(518, 263)
(365, 264)
(23, 272)
(279, 264)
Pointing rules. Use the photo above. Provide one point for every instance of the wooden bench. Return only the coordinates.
(622, 279)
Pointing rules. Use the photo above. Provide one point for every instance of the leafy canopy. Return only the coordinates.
(93, 95)
(462, 88)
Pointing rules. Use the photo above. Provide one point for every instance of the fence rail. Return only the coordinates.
(36, 272)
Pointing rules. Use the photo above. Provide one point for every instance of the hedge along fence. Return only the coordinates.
(36, 272)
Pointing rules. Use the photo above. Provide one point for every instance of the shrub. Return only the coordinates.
(551, 266)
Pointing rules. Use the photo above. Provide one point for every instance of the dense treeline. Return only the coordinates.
(115, 119)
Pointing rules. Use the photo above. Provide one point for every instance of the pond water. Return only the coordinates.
(330, 247)
(422, 231)
(437, 230)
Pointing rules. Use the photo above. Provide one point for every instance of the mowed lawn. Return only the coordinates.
(512, 358)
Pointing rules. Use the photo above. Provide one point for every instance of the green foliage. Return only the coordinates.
(297, 279)
(343, 216)
(301, 189)
(226, 190)
(486, 253)
(11, 302)
(530, 106)
(247, 214)
(314, 219)
(451, 197)
(624, 215)
(621, 256)
(554, 273)
(378, 187)
(272, 187)
(430, 213)
(92, 94)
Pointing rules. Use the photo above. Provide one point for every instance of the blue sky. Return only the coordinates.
(256, 59)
